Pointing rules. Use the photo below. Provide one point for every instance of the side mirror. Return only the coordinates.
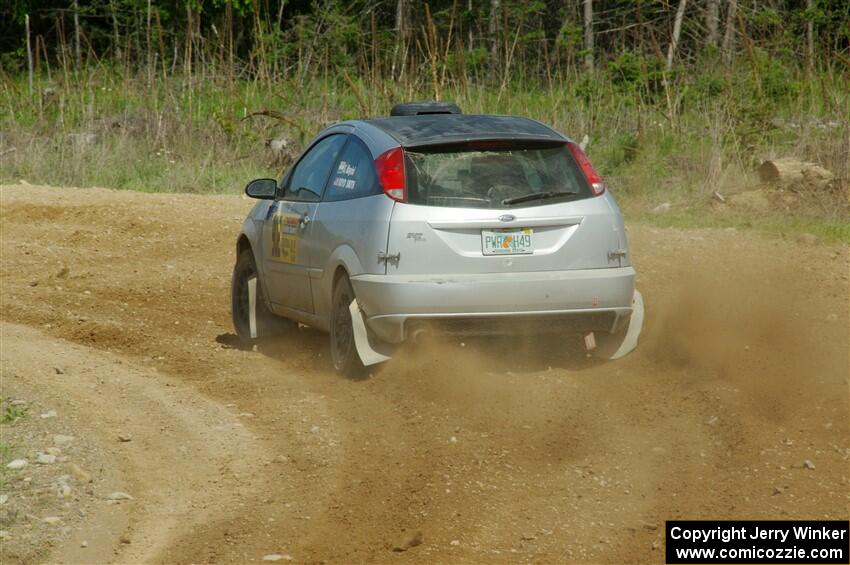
(264, 189)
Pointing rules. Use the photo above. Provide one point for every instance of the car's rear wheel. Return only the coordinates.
(343, 349)
(267, 324)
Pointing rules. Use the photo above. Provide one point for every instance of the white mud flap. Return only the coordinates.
(252, 307)
(368, 352)
(614, 346)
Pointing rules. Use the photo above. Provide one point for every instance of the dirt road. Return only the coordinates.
(485, 452)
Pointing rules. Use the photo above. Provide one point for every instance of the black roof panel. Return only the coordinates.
(448, 128)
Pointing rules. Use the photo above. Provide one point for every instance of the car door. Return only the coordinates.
(288, 227)
(354, 215)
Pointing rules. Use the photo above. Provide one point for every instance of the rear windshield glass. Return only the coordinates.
(493, 175)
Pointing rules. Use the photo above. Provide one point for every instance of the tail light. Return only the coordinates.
(390, 168)
(597, 184)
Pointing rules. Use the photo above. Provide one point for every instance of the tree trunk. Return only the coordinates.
(29, 54)
(588, 34)
(810, 40)
(116, 38)
(401, 29)
(677, 30)
(748, 43)
(400, 20)
(187, 58)
(495, 43)
(77, 52)
(712, 22)
(228, 18)
(789, 171)
(469, 9)
(148, 45)
(729, 34)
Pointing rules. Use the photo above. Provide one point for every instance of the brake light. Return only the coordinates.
(390, 168)
(597, 184)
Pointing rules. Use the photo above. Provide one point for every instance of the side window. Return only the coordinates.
(310, 174)
(353, 175)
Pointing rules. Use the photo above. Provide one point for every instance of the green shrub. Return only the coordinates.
(11, 413)
(632, 71)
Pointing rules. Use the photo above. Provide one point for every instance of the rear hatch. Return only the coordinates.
(497, 207)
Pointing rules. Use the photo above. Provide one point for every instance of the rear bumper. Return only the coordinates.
(496, 303)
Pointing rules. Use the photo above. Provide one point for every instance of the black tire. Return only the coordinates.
(343, 350)
(267, 323)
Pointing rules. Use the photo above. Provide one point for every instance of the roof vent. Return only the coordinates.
(424, 108)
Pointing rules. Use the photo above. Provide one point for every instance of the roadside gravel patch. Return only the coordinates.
(87, 496)
(42, 499)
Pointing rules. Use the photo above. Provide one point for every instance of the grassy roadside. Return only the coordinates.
(9, 414)
(778, 225)
(104, 128)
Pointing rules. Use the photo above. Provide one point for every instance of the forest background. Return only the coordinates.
(680, 102)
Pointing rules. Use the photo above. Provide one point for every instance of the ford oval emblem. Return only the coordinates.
(507, 218)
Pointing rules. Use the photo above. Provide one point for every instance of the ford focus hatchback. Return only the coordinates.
(432, 221)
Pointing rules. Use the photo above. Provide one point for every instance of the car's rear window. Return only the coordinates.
(493, 175)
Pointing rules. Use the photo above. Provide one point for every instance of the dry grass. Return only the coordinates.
(111, 129)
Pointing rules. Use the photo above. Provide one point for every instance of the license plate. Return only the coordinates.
(507, 241)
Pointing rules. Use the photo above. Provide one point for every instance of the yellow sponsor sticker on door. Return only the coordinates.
(285, 230)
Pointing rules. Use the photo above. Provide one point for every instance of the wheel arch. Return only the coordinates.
(343, 261)
(339, 272)
(243, 244)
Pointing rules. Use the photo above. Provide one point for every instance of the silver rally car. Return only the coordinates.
(431, 220)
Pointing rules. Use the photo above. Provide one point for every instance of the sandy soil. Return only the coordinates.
(527, 453)
(159, 442)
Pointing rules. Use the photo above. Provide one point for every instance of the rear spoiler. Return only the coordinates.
(424, 108)
(495, 141)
